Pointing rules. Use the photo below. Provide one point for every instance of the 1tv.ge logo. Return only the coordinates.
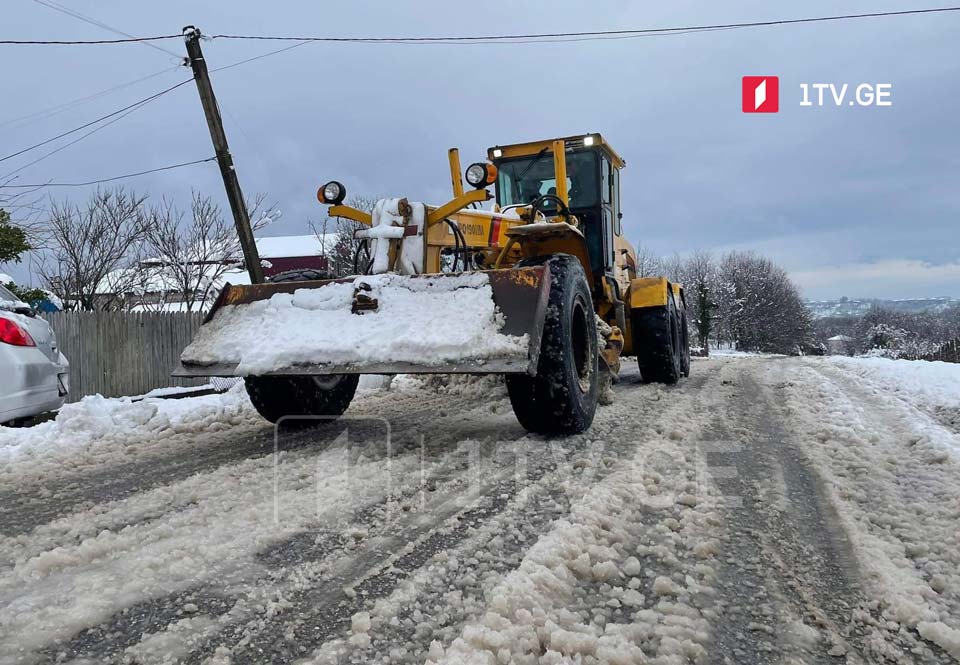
(761, 94)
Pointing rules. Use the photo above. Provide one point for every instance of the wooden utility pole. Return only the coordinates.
(241, 218)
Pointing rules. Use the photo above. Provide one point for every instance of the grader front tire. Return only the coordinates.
(561, 398)
(276, 397)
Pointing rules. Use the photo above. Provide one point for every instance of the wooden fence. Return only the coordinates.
(949, 352)
(123, 353)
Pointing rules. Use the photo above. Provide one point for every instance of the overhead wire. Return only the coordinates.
(85, 42)
(136, 104)
(51, 111)
(257, 57)
(466, 39)
(111, 179)
(92, 21)
(70, 143)
(594, 33)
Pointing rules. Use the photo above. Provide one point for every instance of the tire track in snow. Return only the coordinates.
(618, 579)
(396, 550)
(323, 612)
(898, 490)
(86, 644)
(789, 584)
(27, 505)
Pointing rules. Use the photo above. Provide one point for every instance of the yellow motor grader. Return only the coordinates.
(540, 287)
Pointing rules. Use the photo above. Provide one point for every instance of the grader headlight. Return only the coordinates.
(481, 174)
(333, 193)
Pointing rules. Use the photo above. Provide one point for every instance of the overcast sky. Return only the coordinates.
(853, 201)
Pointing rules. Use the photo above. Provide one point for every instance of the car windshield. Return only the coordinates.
(6, 296)
(523, 180)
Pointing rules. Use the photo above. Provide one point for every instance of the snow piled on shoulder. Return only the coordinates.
(890, 467)
(418, 320)
(917, 381)
(96, 420)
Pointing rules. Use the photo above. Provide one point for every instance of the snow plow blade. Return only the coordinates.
(468, 323)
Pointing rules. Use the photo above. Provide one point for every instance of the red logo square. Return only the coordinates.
(761, 94)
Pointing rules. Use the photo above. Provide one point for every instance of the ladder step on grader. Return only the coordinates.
(542, 288)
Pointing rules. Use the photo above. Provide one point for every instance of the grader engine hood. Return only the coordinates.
(481, 322)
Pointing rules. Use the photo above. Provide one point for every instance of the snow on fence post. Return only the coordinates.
(123, 353)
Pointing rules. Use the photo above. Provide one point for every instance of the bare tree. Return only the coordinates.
(25, 209)
(184, 257)
(90, 256)
(648, 263)
(343, 252)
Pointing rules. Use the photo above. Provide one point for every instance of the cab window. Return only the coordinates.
(520, 181)
(606, 182)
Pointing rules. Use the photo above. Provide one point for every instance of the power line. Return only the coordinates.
(591, 34)
(75, 141)
(137, 104)
(257, 57)
(85, 42)
(51, 111)
(468, 39)
(86, 19)
(103, 180)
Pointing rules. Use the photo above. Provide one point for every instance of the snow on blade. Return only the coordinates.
(424, 321)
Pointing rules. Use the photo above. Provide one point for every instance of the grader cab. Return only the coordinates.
(541, 287)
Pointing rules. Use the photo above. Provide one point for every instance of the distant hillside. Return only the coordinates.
(855, 307)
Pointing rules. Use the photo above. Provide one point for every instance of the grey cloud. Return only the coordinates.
(878, 183)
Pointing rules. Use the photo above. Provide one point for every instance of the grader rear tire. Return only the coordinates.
(561, 398)
(275, 397)
(657, 339)
(684, 344)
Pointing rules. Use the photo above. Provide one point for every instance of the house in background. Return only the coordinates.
(151, 286)
(282, 253)
(840, 345)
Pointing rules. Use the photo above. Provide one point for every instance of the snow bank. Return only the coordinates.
(96, 420)
(422, 320)
(887, 466)
(916, 381)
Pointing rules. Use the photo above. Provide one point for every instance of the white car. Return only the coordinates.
(34, 375)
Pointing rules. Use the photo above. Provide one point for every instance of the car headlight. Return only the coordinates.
(332, 193)
(481, 174)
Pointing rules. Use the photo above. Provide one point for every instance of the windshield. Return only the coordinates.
(523, 180)
(6, 295)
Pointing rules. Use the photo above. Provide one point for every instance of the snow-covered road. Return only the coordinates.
(766, 510)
